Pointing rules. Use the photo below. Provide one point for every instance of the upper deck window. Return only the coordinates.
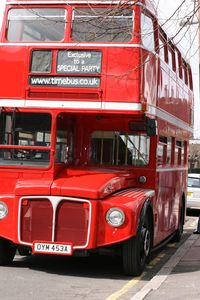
(171, 57)
(147, 33)
(36, 24)
(102, 24)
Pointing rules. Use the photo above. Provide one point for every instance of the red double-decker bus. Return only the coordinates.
(96, 112)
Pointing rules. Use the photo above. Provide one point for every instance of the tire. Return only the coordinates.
(179, 231)
(7, 252)
(24, 251)
(136, 250)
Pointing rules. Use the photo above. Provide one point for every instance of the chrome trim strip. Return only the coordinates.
(124, 106)
(121, 106)
(61, 45)
(63, 104)
(11, 103)
(55, 200)
(171, 169)
(67, 2)
(72, 104)
(157, 112)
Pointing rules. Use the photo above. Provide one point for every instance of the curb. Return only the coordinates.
(164, 272)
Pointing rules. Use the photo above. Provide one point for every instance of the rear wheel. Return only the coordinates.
(179, 231)
(7, 252)
(136, 250)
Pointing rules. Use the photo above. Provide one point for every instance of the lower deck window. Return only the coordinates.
(119, 148)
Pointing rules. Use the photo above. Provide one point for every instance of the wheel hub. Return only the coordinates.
(146, 242)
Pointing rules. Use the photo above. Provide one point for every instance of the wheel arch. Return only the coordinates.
(136, 251)
(147, 210)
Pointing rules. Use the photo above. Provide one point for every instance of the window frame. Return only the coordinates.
(104, 41)
(65, 16)
(163, 39)
(116, 150)
(152, 32)
(29, 151)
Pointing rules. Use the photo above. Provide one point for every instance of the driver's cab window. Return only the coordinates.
(120, 148)
(65, 139)
(30, 133)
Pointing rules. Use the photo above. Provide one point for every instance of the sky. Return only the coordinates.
(187, 39)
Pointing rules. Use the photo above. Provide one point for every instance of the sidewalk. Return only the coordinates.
(179, 278)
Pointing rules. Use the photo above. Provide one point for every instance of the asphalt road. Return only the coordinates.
(92, 278)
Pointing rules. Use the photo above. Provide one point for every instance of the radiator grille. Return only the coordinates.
(71, 221)
(36, 220)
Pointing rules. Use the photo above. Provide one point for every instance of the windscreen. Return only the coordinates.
(25, 130)
(36, 24)
(102, 24)
(119, 148)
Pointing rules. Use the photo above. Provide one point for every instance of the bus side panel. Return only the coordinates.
(173, 95)
(149, 77)
(12, 72)
(171, 188)
(131, 202)
(122, 79)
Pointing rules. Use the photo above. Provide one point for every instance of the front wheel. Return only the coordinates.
(7, 252)
(136, 250)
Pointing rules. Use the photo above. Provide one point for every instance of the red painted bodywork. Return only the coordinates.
(130, 75)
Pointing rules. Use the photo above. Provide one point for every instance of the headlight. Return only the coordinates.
(3, 210)
(115, 217)
(41, 61)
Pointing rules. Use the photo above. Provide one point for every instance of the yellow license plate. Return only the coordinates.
(190, 194)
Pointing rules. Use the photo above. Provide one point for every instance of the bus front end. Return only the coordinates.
(77, 146)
